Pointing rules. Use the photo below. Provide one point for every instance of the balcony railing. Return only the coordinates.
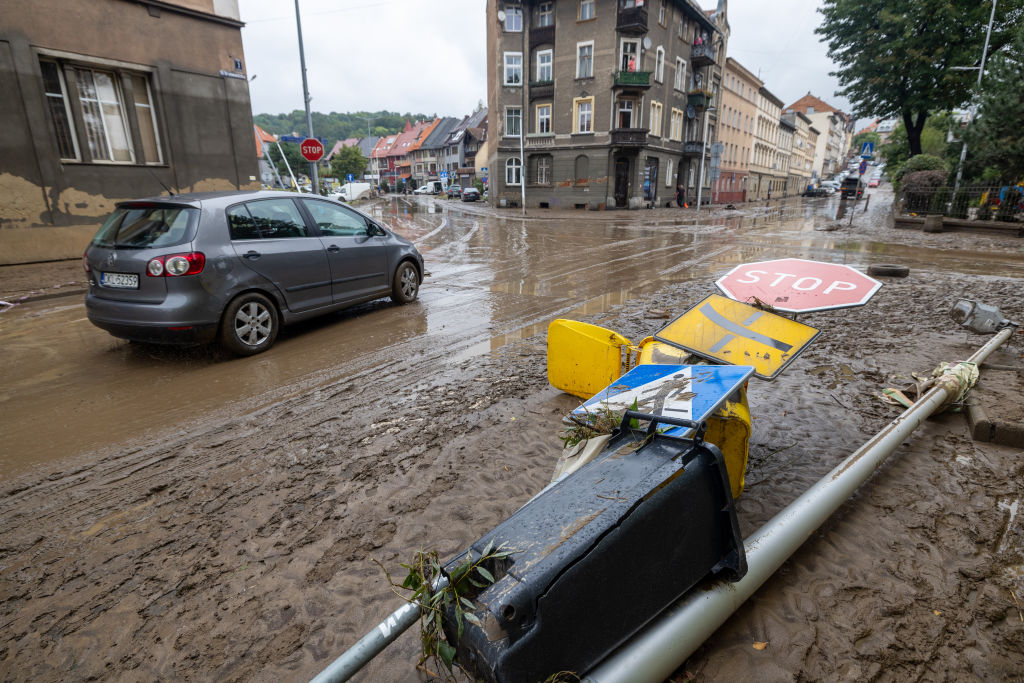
(699, 99)
(632, 79)
(692, 148)
(542, 90)
(702, 55)
(541, 35)
(534, 140)
(629, 137)
(632, 20)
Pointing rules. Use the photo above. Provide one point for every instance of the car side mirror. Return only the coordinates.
(374, 230)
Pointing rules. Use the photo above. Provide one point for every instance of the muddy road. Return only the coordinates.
(187, 516)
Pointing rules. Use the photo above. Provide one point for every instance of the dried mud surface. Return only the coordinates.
(243, 550)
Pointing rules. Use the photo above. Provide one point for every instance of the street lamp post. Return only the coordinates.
(703, 150)
(974, 101)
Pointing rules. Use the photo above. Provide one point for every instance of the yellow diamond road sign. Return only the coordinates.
(739, 334)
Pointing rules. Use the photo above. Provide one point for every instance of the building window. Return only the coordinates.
(586, 10)
(545, 14)
(661, 13)
(513, 68)
(543, 118)
(582, 169)
(583, 115)
(513, 121)
(630, 54)
(60, 112)
(103, 110)
(513, 171)
(585, 60)
(668, 173)
(542, 169)
(655, 123)
(544, 65)
(626, 113)
(691, 176)
(146, 117)
(680, 79)
(659, 64)
(676, 129)
(513, 19)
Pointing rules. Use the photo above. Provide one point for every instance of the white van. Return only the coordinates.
(430, 187)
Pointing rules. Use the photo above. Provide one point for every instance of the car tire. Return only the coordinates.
(249, 325)
(888, 270)
(405, 286)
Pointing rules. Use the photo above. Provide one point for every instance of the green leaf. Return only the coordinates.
(447, 653)
(458, 624)
(490, 546)
(486, 574)
(467, 603)
(473, 619)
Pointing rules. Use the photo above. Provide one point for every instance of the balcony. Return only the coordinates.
(542, 35)
(632, 20)
(702, 55)
(632, 80)
(542, 90)
(692, 148)
(699, 99)
(628, 137)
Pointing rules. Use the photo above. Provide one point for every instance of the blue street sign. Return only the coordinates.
(863, 166)
(483, 170)
(690, 392)
(349, 177)
(299, 138)
(867, 149)
(444, 174)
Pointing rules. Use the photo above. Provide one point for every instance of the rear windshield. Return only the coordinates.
(142, 227)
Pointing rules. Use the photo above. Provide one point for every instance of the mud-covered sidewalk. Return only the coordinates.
(243, 549)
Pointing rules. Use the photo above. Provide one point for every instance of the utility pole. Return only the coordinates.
(314, 175)
(974, 101)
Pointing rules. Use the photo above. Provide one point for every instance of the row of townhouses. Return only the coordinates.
(625, 103)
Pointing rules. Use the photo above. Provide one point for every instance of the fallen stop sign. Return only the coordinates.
(311, 149)
(798, 286)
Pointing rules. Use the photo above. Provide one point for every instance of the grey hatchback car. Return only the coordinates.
(235, 266)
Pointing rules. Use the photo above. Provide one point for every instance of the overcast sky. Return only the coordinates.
(426, 56)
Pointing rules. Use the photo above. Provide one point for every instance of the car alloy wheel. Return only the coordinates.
(406, 285)
(250, 324)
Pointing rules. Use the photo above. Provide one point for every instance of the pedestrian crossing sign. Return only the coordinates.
(736, 333)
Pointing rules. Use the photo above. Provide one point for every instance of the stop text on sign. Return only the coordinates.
(803, 283)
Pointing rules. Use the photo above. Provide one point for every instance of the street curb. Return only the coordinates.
(44, 296)
(994, 431)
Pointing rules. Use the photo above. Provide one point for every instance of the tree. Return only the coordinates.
(291, 153)
(933, 142)
(347, 160)
(867, 136)
(895, 56)
(995, 143)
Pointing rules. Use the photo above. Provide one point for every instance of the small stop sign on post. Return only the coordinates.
(311, 149)
(799, 286)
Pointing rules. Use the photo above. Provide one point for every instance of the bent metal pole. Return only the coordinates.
(654, 653)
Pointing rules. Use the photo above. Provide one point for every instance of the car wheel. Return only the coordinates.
(249, 325)
(406, 285)
(888, 269)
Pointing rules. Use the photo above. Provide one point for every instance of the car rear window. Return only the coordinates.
(143, 227)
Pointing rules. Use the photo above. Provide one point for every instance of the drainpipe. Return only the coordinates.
(666, 642)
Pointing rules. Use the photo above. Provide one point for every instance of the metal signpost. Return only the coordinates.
(728, 331)
(798, 285)
(314, 175)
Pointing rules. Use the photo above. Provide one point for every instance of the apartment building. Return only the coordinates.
(601, 103)
(805, 137)
(765, 176)
(736, 123)
(834, 127)
(428, 159)
(783, 176)
(106, 100)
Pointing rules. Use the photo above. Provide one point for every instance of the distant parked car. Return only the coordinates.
(423, 189)
(852, 187)
(873, 182)
(234, 266)
(470, 194)
(454, 191)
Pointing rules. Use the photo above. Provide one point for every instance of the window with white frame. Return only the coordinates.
(661, 13)
(542, 169)
(513, 19)
(586, 10)
(625, 107)
(659, 64)
(103, 111)
(545, 14)
(630, 54)
(60, 111)
(544, 65)
(583, 115)
(513, 171)
(668, 173)
(513, 121)
(513, 68)
(655, 122)
(676, 125)
(585, 59)
(543, 118)
(680, 78)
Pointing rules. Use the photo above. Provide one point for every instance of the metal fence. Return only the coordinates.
(983, 203)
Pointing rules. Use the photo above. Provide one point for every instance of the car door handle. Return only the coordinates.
(334, 248)
(252, 255)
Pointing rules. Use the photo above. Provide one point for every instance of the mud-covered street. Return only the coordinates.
(185, 515)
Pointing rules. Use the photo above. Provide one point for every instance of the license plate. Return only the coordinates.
(120, 280)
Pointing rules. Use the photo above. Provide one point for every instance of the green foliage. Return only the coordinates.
(465, 582)
(348, 160)
(291, 153)
(336, 126)
(867, 136)
(995, 139)
(923, 162)
(895, 56)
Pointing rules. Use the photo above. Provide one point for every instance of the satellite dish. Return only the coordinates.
(647, 42)
(501, 15)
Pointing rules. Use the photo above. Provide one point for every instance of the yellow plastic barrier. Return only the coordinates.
(583, 359)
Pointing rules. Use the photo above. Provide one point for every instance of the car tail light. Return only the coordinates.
(174, 265)
(85, 262)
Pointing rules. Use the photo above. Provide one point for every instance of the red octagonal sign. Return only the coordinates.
(799, 286)
(311, 149)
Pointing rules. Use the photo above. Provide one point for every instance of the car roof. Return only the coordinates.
(220, 198)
